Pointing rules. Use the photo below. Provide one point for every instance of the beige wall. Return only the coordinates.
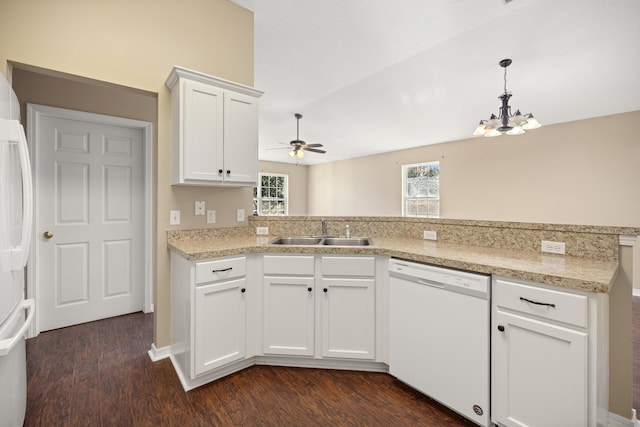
(298, 186)
(135, 44)
(583, 172)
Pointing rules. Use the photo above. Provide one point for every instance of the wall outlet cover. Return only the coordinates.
(240, 215)
(263, 231)
(553, 247)
(199, 207)
(430, 235)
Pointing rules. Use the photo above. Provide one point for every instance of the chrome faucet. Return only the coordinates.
(324, 227)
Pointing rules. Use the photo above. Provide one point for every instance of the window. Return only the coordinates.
(270, 196)
(421, 190)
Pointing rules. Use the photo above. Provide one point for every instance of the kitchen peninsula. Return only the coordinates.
(224, 277)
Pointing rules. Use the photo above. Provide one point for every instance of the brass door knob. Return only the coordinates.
(47, 234)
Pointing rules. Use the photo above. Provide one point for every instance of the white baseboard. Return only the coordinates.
(636, 292)
(616, 420)
(156, 354)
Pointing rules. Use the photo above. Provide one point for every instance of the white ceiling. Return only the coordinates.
(372, 76)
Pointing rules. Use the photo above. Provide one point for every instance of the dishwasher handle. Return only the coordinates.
(431, 283)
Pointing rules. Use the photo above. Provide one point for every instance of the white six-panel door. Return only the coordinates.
(89, 221)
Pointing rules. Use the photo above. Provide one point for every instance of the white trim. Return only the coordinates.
(297, 362)
(34, 112)
(627, 240)
(179, 72)
(616, 420)
(636, 292)
(156, 353)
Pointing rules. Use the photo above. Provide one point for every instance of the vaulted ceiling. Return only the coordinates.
(372, 76)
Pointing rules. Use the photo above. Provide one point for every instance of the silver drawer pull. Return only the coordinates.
(538, 303)
(223, 270)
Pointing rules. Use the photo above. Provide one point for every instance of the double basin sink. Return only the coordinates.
(322, 241)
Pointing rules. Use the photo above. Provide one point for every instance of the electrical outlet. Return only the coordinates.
(262, 230)
(553, 247)
(211, 217)
(199, 210)
(430, 235)
(240, 215)
(174, 217)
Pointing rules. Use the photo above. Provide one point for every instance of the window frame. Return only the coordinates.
(258, 199)
(405, 198)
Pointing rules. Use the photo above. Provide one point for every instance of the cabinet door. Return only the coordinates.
(219, 325)
(348, 318)
(539, 373)
(240, 138)
(202, 138)
(288, 322)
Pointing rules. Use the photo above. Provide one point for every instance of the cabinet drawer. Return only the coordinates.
(541, 302)
(222, 269)
(288, 264)
(348, 266)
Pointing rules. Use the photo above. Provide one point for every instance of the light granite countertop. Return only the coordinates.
(564, 271)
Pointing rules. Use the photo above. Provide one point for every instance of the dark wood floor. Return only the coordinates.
(99, 374)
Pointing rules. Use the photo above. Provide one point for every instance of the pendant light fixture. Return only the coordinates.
(505, 122)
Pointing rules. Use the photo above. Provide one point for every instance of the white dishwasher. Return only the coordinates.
(439, 322)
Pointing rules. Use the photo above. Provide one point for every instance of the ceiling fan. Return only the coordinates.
(298, 146)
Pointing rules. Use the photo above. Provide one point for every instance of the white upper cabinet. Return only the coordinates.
(214, 130)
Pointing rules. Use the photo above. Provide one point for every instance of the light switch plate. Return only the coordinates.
(240, 215)
(211, 217)
(263, 231)
(174, 217)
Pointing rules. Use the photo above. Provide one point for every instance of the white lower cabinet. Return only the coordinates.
(338, 313)
(348, 307)
(209, 317)
(546, 347)
(220, 324)
(288, 316)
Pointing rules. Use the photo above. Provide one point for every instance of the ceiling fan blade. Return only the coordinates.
(315, 150)
(314, 145)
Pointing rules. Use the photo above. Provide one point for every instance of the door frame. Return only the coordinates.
(34, 113)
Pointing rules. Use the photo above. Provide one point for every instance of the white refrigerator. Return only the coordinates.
(16, 214)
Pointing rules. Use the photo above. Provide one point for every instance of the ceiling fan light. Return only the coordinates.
(292, 153)
(531, 123)
(300, 154)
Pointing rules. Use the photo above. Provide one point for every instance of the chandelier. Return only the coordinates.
(505, 122)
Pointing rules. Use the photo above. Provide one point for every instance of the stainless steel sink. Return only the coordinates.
(347, 241)
(296, 241)
(321, 241)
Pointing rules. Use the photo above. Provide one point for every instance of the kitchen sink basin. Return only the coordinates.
(296, 241)
(322, 241)
(347, 241)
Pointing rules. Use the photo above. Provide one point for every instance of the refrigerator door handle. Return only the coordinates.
(6, 345)
(20, 261)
